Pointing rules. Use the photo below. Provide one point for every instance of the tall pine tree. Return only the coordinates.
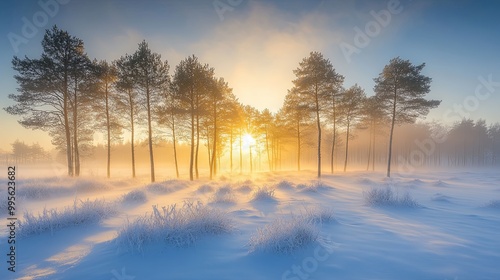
(315, 81)
(401, 89)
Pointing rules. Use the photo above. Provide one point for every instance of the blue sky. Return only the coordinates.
(255, 45)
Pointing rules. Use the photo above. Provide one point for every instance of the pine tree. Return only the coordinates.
(170, 113)
(315, 82)
(296, 113)
(192, 81)
(264, 122)
(127, 102)
(49, 88)
(401, 89)
(150, 75)
(372, 118)
(106, 75)
(351, 105)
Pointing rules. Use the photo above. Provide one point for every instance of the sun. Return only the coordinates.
(248, 140)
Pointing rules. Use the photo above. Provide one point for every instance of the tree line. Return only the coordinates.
(24, 153)
(71, 96)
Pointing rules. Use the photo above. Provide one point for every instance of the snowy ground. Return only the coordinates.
(359, 225)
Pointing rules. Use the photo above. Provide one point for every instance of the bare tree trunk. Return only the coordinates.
(231, 150)
(69, 149)
(318, 123)
(392, 133)
(369, 147)
(191, 159)
(209, 152)
(67, 131)
(373, 150)
(280, 153)
(150, 135)
(319, 145)
(197, 137)
(197, 146)
(76, 158)
(346, 146)
(332, 156)
(175, 148)
(298, 145)
(132, 132)
(268, 155)
(276, 154)
(332, 159)
(214, 149)
(108, 129)
(76, 154)
(241, 155)
(218, 160)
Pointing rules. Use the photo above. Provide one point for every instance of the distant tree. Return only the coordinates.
(38, 153)
(334, 115)
(373, 118)
(150, 75)
(192, 79)
(468, 143)
(169, 112)
(287, 129)
(351, 106)
(106, 75)
(315, 80)
(127, 100)
(218, 94)
(460, 139)
(183, 81)
(221, 124)
(251, 115)
(24, 153)
(241, 128)
(438, 131)
(264, 122)
(20, 151)
(231, 118)
(81, 104)
(49, 88)
(494, 135)
(401, 89)
(481, 144)
(295, 112)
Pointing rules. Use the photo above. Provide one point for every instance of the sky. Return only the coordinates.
(255, 45)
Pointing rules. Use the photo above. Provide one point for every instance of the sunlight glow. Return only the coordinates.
(248, 141)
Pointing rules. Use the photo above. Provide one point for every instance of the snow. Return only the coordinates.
(277, 225)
